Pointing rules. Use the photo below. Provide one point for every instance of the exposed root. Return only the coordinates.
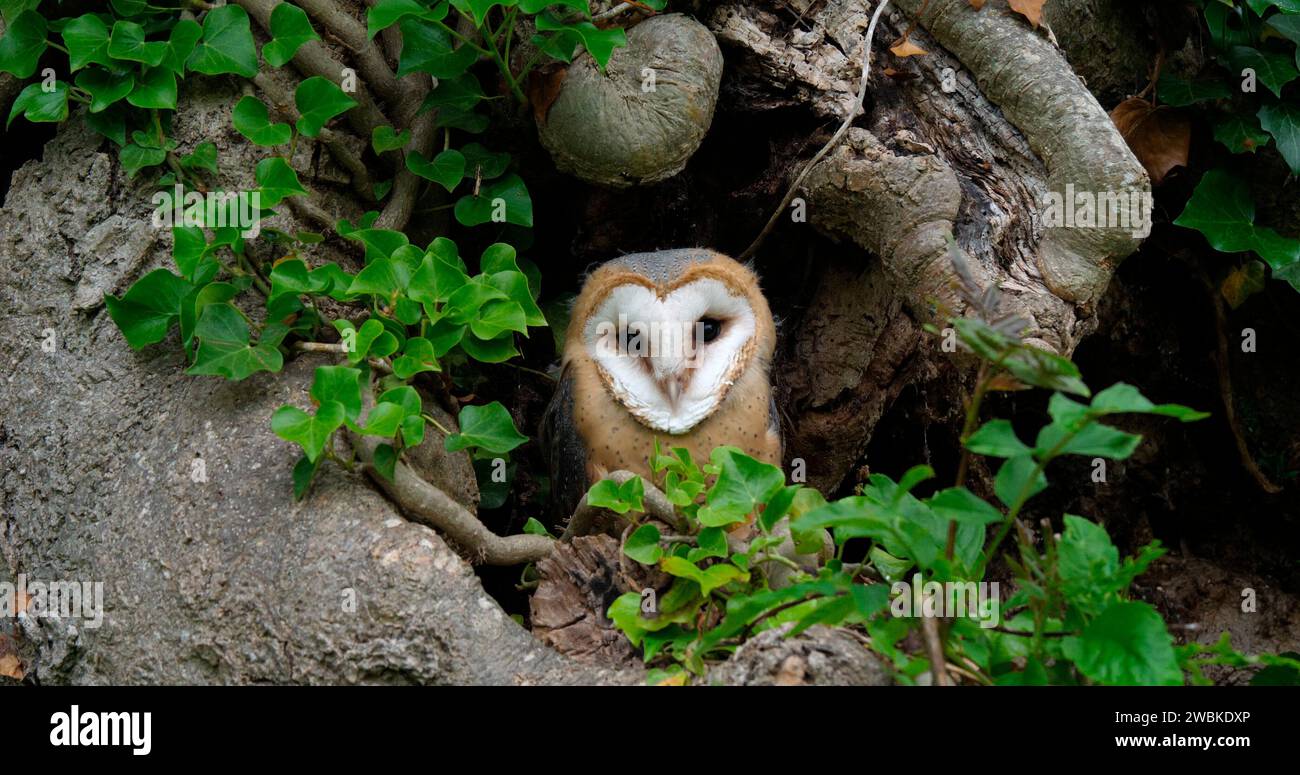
(656, 503)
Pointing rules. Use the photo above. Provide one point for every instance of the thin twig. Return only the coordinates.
(835, 139)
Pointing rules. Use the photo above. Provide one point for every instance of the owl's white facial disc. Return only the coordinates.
(670, 361)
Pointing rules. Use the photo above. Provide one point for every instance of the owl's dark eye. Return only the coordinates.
(710, 329)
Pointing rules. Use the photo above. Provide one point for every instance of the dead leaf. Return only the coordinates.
(1243, 282)
(543, 89)
(900, 75)
(977, 4)
(1030, 9)
(10, 665)
(906, 48)
(1160, 137)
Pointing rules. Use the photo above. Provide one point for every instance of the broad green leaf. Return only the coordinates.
(386, 13)
(224, 347)
(498, 350)
(1179, 93)
(251, 119)
(997, 439)
(620, 499)
(427, 48)
(319, 100)
(383, 138)
(643, 545)
(600, 43)
(40, 106)
(1273, 69)
(1124, 398)
(127, 42)
(303, 473)
(180, 45)
(482, 163)
(1282, 120)
(504, 201)
(1087, 562)
(204, 157)
(417, 356)
(384, 420)
(460, 93)
(227, 44)
(135, 157)
(742, 484)
(960, 505)
(1240, 133)
(290, 29)
(341, 384)
(488, 427)
(86, 38)
(156, 89)
(446, 169)
(1222, 209)
(1126, 645)
(149, 307)
(311, 432)
(1018, 479)
(277, 180)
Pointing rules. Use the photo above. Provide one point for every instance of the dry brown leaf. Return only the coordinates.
(1160, 137)
(977, 4)
(1243, 282)
(906, 48)
(11, 667)
(900, 75)
(1030, 9)
(543, 88)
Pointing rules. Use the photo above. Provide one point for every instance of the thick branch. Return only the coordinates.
(370, 61)
(431, 506)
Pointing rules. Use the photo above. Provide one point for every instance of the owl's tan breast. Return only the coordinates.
(616, 440)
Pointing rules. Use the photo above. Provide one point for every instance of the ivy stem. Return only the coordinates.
(488, 38)
(429, 419)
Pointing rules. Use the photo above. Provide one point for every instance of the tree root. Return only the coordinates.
(370, 60)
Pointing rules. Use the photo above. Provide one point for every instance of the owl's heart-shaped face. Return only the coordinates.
(670, 358)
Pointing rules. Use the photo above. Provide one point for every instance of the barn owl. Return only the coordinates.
(674, 345)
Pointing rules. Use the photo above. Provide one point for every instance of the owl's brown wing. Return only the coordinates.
(566, 453)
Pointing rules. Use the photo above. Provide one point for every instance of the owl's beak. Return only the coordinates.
(674, 385)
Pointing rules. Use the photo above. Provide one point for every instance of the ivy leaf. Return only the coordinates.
(618, 498)
(384, 420)
(537, 6)
(742, 484)
(498, 350)
(1273, 69)
(135, 157)
(506, 200)
(488, 427)
(105, 88)
(319, 100)
(1180, 93)
(277, 181)
(303, 473)
(195, 302)
(204, 157)
(1240, 134)
(41, 106)
(478, 9)
(384, 138)
(427, 48)
(224, 348)
(290, 29)
(180, 45)
(311, 432)
(1126, 645)
(643, 545)
(128, 43)
(251, 119)
(446, 169)
(1221, 208)
(341, 384)
(146, 311)
(1087, 562)
(156, 89)
(386, 13)
(461, 93)
(497, 317)
(227, 44)
(1282, 120)
(483, 163)
(418, 356)
(599, 43)
(86, 38)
